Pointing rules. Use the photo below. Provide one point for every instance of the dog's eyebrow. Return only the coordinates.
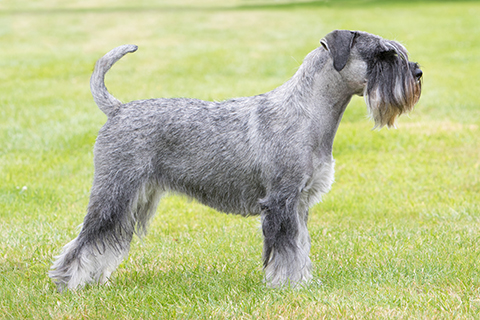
(399, 49)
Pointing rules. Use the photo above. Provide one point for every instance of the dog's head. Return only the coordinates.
(379, 70)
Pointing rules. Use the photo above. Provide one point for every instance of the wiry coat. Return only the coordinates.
(268, 155)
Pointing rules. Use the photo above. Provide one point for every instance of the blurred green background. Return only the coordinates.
(397, 237)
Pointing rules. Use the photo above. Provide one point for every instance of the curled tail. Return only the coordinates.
(105, 101)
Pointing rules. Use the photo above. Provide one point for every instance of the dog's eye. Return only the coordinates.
(388, 54)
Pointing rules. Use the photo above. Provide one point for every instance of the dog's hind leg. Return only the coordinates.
(118, 207)
(286, 243)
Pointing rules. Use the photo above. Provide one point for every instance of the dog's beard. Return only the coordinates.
(391, 90)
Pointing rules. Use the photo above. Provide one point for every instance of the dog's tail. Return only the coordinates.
(105, 101)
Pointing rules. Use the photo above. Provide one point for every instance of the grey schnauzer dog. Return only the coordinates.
(267, 155)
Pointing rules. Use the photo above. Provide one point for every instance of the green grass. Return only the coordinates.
(397, 237)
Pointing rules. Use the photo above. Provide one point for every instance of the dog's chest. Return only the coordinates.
(318, 184)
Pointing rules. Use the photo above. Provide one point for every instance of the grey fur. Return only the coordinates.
(268, 155)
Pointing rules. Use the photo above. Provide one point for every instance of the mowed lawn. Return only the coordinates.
(397, 237)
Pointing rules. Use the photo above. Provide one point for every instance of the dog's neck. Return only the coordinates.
(314, 93)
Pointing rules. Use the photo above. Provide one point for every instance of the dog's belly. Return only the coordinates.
(230, 190)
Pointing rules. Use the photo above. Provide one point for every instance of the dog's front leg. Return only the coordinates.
(286, 242)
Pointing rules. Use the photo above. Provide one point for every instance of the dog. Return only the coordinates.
(267, 155)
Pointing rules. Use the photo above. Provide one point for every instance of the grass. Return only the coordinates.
(397, 237)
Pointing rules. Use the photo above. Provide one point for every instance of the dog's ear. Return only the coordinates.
(339, 43)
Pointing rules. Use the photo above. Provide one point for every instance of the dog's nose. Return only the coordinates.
(418, 73)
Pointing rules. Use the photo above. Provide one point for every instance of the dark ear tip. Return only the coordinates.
(339, 65)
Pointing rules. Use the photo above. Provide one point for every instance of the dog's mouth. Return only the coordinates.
(393, 88)
(363, 92)
(386, 103)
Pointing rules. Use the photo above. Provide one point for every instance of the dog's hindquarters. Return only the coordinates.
(122, 201)
(104, 239)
